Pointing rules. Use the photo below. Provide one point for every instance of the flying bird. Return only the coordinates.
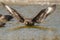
(39, 18)
(4, 19)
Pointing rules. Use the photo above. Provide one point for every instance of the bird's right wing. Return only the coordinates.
(13, 12)
(44, 13)
(39, 16)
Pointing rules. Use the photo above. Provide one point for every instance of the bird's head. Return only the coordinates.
(28, 22)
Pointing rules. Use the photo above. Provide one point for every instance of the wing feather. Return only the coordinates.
(13, 12)
(43, 14)
(38, 16)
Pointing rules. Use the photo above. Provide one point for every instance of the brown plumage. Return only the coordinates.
(41, 16)
(4, 19)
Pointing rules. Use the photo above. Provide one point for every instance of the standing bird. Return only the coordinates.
(39, 18)
(4, 19)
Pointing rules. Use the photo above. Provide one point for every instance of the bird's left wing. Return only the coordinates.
(42, 15)
(13, 12)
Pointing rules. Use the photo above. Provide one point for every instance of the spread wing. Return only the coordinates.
(43, 14)
(13, 12)
(4, 19)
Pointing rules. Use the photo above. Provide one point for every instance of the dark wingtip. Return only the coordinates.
(8, 17)
(54, 5)
(0, 15)
(2, 25)
(2, 3)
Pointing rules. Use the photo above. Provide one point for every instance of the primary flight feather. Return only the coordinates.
(39, 18)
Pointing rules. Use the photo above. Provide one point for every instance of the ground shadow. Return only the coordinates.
(36, 27)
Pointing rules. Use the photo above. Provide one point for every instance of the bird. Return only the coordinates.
(4, 19)
(39, 18)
